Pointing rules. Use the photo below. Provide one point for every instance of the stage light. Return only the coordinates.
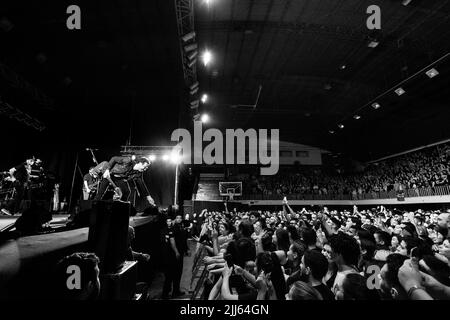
(376, 105)
(133, 157)
(343, 67)
(356, 117)
(190, 47)
(206, 57)
(152, 157)
(175, 157)
(406, 2)
(432, 73)
(331, 131)
(204, 98)
(188, 36)
(165, 157)
(340, 126)
(194, 85)
(400, 91)
(205, 118)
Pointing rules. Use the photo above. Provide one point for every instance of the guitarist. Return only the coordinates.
(117, 173)
(90, 183)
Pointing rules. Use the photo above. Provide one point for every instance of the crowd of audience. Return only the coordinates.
(426, 168)
(324, 254)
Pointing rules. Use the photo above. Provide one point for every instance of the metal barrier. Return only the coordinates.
(414, 192)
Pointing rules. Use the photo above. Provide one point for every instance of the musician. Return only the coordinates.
(90, 181)
(21, 177)
(123, 172)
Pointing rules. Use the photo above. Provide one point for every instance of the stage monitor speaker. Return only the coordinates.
(108, 233)
(33, 217)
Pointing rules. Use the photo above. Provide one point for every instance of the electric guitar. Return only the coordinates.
(92, 189)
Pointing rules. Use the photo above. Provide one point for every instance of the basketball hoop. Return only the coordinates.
(230, 189)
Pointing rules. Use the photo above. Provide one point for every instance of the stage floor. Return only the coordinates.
(58, 219)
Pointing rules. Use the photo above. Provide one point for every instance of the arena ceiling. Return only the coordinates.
(124, 66)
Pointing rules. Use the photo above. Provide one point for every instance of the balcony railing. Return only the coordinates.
(408, 193)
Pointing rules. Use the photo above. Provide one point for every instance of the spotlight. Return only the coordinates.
(400, 91)
(165, 157)
(204, 98)
(152, 157)
(133, 157)
(376, 105)
(340, 126)
(432, 73)
(190, 47)
(194, 85)
(188, 36)
(406, 2)
(343, 67)
(206, 57)
(331, 131)
(356, 117)
(175, 157)
(205, 118)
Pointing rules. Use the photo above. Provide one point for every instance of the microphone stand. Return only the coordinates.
(73, 182)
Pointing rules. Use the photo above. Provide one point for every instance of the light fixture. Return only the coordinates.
(175, 157)
(204, 98)
(356, 117)
(342, 67)
(399, 91)
(191, 63)
(165, 157)
(188, 36)
(194, 85)
(331, 131)
(193, 91)
(194, 104)
(190, 47)
(205, 118)
(206, 57)
(376, 105)
(340, 126)
(406, 2)
(192, 55)
(432, 73)
(152, 157)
